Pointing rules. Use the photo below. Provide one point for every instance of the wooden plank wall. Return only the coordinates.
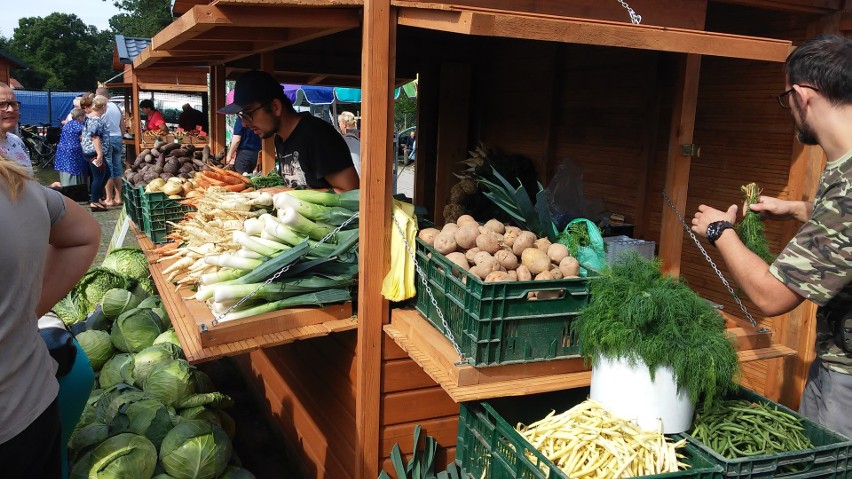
(308, 388)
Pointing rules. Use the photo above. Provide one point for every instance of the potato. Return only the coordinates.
(481, 270)
(543, 276)
(523, 241)
(507, 259)
(495, 225)
(534, 259)
(428, 235)
(556, 252)
(510, 235)
(466, 234)
(459, 259)
(463, 219)
(569, 267)
(470, 254)
(445, 242)
(482, 257)
(523, 273)
(497, 276)
(513, 275)
(450, 227)
(542, 244)
(556, 273)
(488, 241)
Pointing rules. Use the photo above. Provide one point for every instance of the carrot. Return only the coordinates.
(202, 181)
(213, 181)
(226, 179)
(240, 187)
(165, 248)
(231, 173)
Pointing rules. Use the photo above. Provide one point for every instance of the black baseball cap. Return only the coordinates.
(253, 85)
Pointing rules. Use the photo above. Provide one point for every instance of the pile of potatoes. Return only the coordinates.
(497, 252)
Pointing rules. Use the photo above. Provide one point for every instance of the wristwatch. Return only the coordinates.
(715, 229)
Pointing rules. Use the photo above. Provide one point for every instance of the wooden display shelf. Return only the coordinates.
(185, 315)
(463, 382)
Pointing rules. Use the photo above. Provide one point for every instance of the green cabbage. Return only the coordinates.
(85, 437)
(216, 400)
(148, 285)
(234, 472)
(140, 414)
(130, 262)
(96, 282)
(97, 346)
(170, 381)
(155, 304)
(203, 383)
(125, 456)
(149, 357)
(195, 450)
(117, 301)
(216, 416)
(135, 330)
(168, 336)
(70, 309)
(118, 369)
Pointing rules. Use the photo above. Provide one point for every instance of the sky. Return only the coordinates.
(93, 12)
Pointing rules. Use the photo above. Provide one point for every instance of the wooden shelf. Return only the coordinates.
(185, 314)
(463, 382)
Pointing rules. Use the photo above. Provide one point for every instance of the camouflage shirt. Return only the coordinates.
(816, 262)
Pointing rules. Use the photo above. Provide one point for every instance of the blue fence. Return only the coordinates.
(39, 107)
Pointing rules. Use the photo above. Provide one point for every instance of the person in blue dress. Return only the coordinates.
(70, 162)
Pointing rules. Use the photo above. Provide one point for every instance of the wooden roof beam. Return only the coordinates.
(596, 32)
(295, 36)
(245, 34)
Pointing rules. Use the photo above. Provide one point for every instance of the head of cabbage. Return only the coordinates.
(95, 283)
(117, 370)
(123, 456)
(117, 301)
(135, 330)
(149, 357)
(97, 346)
(140, 414)
(130, 262)
(170, 381)
(195, 449)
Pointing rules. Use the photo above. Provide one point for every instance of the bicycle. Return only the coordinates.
(42, 151)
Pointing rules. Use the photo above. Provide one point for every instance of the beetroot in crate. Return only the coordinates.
(497, 323)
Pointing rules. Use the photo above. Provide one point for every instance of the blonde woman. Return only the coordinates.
(11, 146)
(96, 148)
(48, 243)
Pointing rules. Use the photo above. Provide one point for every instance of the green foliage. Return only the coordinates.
(638, 313)
(144, 18)
(61, 53)
(422, 462)
(517, 204)
(750, 229)
(404, 112)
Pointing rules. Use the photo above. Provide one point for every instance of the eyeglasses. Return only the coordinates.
(247, 115)
(4, 105)
(786, 104)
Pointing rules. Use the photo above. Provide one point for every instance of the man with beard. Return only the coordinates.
(262, 107)
(815, 263)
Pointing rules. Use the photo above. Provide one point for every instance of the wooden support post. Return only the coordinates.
(267, 153)
(378, 58)
(217, 101)
(678, 165)
(137, 113)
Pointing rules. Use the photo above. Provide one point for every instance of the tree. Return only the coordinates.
(144, 18)
(62, 53)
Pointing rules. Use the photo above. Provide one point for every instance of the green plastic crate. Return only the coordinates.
(488, 445)
(157, 211)
(495, 323)
(131, 196)
(830, 456)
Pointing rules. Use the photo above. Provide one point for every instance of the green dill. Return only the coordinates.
(750, 229)
(638, 313)
(576, 235)
(268, 181)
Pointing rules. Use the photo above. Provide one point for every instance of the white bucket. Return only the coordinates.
(628, 392)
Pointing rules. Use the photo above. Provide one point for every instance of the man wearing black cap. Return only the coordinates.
(262, 107)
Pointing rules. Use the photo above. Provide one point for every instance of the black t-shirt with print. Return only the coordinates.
(318, 147)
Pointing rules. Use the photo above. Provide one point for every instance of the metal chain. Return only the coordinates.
(423, 279)
(709, 260)
(635, 18)
(281, 271)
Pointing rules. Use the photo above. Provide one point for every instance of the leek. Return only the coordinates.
(318, 298)
(349, 199)
(333, 215)
(292, 218)
(253, 226)
(267, 269)
(226, 274)
(279, 290)
(247, 253)
(259, 245)
(231, 261)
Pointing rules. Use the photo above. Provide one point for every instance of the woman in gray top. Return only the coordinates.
(48, 244)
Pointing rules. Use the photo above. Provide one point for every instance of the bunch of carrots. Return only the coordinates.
(227, 179)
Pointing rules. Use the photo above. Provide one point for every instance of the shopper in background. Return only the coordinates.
(50, 247)
(69, 162)
(154, 119)
(245, 145)
(262, 106)
(348, 125)
(815, 264)
(76, 104)
(190, 118)
(114, 121)
(11, 146)
(96, 148)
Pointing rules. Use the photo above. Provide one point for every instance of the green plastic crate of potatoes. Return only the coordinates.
(496, 323)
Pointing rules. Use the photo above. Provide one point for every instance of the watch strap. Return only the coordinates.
(715, 230)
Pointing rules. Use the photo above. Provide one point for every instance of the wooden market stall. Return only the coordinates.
(683, 103)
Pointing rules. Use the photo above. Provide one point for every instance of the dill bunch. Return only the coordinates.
(638, 313)
(750, 229)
